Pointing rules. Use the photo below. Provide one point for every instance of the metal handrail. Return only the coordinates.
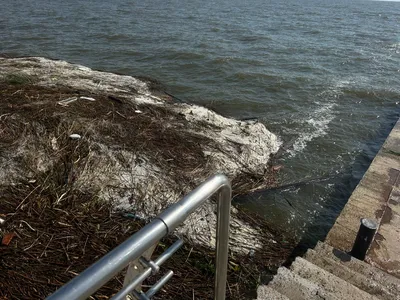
(94, 277)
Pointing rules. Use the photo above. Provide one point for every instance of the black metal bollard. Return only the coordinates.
(364, 238)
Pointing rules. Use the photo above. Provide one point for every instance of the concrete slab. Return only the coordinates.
(381, 277)
(329, 282)
(344, 232)
(368, 200)
(377, 196)
(343, 272)
(297, 288)
(356, 210)
(392, 143)
(342, 237)
(384, 251)
(394, 200)
(366, 194)
(265, 292)
(374, 186)
(383, 162)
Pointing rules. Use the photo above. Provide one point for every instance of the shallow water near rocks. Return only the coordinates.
(323, 74)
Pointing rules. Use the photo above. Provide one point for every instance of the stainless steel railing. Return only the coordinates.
(134, 248)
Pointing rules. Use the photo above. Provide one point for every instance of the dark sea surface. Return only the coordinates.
(323, 74)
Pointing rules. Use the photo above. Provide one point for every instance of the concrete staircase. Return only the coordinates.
(327, 273)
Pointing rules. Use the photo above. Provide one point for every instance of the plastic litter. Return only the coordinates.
(7, 238)
(67, 101)
(87, 98)
(133, 216)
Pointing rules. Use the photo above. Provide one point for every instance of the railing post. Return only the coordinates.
(222, 247)
(135, 267)
(177, 213)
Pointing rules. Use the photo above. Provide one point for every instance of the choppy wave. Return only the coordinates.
(316, 123)
(314, 127)
(395, 47)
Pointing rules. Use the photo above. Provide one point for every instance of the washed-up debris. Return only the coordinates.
(27, 224)
(2, 219)
(254, 119)
(67, 101)
(75, 136)
(54, 144)
(138, 111)
(252, 253)
(7, 238)
(4, 115)
(130, 162)
(115, 99)
(175, 98)
(276, 168)
(249, 120)
(87, 98)
(133, 216)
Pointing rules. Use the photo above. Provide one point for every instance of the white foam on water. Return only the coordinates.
(317, 125)
(395, 47)
(317, 122)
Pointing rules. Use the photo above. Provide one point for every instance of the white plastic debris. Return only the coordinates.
(67, 101)
(138, 111)
(2, 221)
(54, 144)
(87, 98)
(75, 136)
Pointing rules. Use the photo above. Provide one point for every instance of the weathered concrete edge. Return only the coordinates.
(377, 196)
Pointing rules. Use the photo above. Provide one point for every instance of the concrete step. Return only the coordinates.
(362, 282)
(329, 282)
(264, 292)
(388, 281)
(295, 287)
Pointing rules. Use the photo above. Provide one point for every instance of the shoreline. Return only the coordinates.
(136, 153)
